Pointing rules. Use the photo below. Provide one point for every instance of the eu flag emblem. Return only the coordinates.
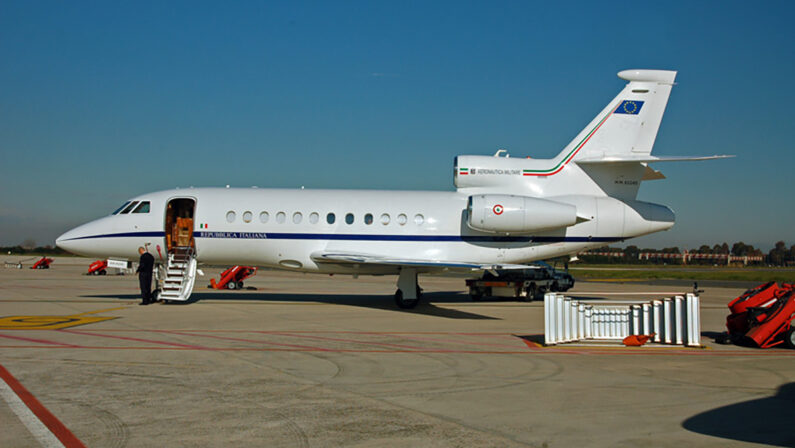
(629, 107)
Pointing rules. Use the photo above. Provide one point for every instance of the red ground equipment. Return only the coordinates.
(43, 263)
(99, 267)
(233, 277)
(762, 316)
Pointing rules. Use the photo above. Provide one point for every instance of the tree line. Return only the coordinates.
(780, 255)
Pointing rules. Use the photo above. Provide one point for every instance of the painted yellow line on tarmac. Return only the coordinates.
(47, 322)
(103, 310)
(54, 322)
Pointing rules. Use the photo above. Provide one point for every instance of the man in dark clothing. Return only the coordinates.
(145, 267)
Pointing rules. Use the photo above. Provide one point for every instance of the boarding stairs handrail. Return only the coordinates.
(180, 274)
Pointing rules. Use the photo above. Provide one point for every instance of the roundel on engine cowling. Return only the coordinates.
(497, 213)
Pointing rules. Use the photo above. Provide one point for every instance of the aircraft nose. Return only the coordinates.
(80, 240)
(69, 241)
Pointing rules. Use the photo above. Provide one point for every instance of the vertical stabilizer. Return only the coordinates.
(629, 123)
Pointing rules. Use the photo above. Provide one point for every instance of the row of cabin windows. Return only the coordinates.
(331, 218)
(132, 207)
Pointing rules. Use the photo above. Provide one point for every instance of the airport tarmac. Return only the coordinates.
(310, 360)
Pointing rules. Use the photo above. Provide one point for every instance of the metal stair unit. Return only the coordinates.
(180, 274)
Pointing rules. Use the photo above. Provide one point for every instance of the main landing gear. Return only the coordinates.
(408, 294)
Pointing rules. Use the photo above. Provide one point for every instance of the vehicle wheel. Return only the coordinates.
(155, 295)
(789, 338)
(555, 287)
(103, 272)
(405, 304)
(231, 285)
(532, 292)
(239, 285)
(476, 295)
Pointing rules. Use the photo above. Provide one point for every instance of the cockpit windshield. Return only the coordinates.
(119, 209)
(129, 207)
(143, 207)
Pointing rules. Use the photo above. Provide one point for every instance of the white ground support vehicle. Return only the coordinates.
(525, 284)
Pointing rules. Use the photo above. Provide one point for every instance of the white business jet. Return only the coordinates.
(505, 212)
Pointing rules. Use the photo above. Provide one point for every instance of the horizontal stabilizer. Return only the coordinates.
(627, 158)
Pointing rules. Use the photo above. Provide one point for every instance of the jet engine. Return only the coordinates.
(498, 213)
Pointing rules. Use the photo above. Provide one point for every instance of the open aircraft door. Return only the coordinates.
(180, 249)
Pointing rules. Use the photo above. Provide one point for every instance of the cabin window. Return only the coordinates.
(368, 219)
(419, 219)
(247, 216)
(143, 207)
(314, 217)
(263, 217)
(230, 216)
(349, 218)
(330, 218)
(280, 217)
(119, 209)
(297, 216)
(385, 219)
(401, 219)
(129, 208)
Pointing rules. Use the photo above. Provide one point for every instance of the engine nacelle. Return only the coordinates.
(498, 213)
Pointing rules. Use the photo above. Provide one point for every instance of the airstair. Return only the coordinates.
(180, 274)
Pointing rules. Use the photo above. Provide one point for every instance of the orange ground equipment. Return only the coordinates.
(99, 267)
(763, 316)
(233, 277)
(637, 340)
(43, 263)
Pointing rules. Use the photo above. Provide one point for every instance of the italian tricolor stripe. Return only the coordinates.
(556, 169)
(463, 171)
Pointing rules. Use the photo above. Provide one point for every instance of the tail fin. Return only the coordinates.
(634, 119)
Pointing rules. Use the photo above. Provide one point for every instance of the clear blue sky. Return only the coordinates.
(100, 101)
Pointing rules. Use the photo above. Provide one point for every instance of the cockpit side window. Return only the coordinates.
(129, 207)
(143, 207)
(119, 209)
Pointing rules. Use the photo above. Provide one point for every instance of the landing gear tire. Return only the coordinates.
(789, 338)
(406, 304)
(231, 285)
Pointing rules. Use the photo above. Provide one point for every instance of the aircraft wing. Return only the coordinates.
(385, 261)
(648, 159)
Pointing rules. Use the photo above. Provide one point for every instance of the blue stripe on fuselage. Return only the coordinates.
(119, 235)
(368, 237)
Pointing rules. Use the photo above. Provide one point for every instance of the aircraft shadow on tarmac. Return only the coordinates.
(764, 420)
(426, 306)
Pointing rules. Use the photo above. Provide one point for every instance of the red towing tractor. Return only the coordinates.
(762, 316)
(233, 277)
(43, 263)
(99, 267)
